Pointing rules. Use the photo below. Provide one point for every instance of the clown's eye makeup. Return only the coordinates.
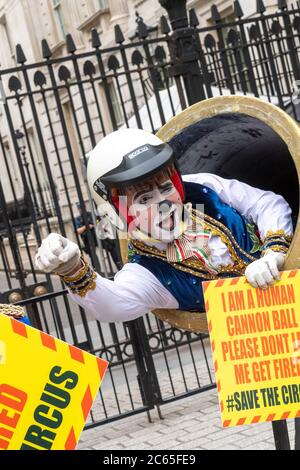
(167, 188)
(143, 196)
(152, 194)
(144, 199)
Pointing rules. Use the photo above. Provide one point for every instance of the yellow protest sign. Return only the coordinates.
(47, 388)
(255, 339)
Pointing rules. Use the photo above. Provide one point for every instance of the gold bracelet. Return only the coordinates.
(277, 249)
(79, 274)
(82, 284)
(278, 234)
(90, 286)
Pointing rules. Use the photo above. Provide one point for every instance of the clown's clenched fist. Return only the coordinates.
(58, 254)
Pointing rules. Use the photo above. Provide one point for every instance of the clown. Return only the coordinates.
(183, 230)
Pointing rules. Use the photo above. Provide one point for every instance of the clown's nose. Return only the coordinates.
(164, 206)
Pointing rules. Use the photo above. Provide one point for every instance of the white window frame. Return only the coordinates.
(57, 7)
(8, 39)
(103, 4)
(117, 107)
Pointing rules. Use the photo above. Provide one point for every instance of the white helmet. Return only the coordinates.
(121, 158)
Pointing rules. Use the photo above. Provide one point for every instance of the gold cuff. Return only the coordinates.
(90, 286)
(277, 234)
(79, 274)
(277, 248)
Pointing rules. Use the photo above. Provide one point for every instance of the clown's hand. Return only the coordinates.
(58, 254)
(263, 272)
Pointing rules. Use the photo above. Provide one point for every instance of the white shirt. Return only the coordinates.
(135, 290)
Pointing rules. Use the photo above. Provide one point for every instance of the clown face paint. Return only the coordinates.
(157, 208)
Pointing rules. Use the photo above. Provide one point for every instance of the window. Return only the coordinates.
(103, 5)
(6, 43)
(43, 197)
(10, 175)
(37, 156)
(116, 105)
(60, 17)
(73, 138)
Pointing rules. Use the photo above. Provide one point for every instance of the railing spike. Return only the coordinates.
(282, 4)
(46, 51)
(20, 56)
(164, 25)
(142, 30)
(71, 47)
(194, 22)
(215, 14)
(238, 9)
(119, 36)
(96, 42)
(260, 7)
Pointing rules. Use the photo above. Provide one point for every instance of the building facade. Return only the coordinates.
(29, 21)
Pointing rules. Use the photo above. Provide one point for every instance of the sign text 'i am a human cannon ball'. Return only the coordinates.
(255, 338)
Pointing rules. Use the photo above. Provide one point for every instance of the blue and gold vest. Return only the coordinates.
(25, 320)
(183, 280)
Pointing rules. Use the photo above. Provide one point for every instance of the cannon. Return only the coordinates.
(242, 138)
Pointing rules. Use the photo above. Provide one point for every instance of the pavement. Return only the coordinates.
(191, 423)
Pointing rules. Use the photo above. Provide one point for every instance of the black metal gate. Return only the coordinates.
(52, 115)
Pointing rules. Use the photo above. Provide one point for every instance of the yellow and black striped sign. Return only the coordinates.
(47, 388)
